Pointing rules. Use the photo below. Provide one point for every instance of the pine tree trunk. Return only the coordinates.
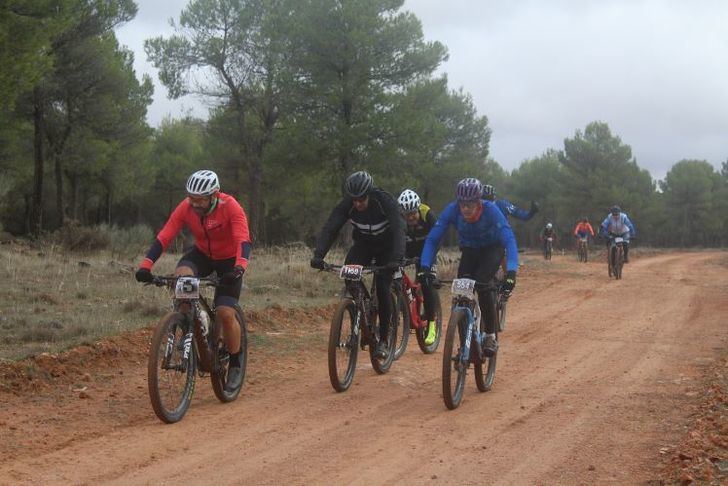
(36, 214)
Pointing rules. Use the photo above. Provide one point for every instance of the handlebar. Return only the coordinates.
(479, 285)
(329, 267)
(170, 280)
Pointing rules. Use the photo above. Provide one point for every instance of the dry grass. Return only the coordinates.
(51, 299)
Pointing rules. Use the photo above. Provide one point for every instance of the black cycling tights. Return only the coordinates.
(482, 264)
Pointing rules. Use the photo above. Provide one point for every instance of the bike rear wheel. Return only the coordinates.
(171, 377)
(422, 331)
(485, 370)
(343, 346)
(453, 369)
(403, 326)
(222, 362)
(382, 365)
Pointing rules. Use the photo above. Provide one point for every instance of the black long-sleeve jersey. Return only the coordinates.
(417, 234)
(379, 225)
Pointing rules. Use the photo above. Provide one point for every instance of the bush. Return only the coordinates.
(74, 237)
(121, 241)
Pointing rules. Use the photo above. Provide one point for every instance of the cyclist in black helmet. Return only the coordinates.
(379, 238)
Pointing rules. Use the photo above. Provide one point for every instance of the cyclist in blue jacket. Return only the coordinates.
(507, 207)
(618, 223)
(484, 234)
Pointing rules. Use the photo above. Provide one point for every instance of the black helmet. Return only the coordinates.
(358, 184)
(615, 209)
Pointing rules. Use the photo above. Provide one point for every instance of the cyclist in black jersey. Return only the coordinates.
(420, 219)
(379, 238)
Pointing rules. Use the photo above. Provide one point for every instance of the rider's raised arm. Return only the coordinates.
(338, 217)
(434, 237)
(508, 207)
(241, 234)
(505, 234)
(169, 232)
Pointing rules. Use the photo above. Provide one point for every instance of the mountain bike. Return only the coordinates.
(355, 326)
(410, 303)
(548, 248)
(582, 248)
(187, 341)
(615, 256)
(464, 341)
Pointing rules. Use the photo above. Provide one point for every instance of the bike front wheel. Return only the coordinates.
(403, 326)
(453, 369)
(343, 346)
(171, 374)
(222, 363)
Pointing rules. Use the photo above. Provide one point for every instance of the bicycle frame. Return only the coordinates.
(190, 309)
(415, 300)
(468, 305)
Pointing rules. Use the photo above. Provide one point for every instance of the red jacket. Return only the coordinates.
(583, 228)
(220, 235)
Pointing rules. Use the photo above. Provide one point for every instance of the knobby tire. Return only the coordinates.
(343, 349)
(170, 405)
(220, 367)
(453, 372)
(403, 330)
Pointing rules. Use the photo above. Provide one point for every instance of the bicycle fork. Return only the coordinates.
(464, 357)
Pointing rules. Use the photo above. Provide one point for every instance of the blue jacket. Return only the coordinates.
(508, 208)
(490, 229)
(618, 227)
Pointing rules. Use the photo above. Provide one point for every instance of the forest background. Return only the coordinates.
(303, 93)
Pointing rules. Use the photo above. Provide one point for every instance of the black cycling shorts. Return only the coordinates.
(203, 266)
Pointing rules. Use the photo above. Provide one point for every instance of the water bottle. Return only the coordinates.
(204, 321)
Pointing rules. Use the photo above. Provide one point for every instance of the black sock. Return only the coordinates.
(235, 360)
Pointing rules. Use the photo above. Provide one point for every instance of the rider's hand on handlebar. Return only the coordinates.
(426, 275)
(317, 263)
(232, 277)
(510, 282)
(144, 275)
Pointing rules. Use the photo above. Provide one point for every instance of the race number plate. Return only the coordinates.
(618, 239)
(351, 272)
(584, 239)
(187, 288)
(463, 286)
(398, 273)
(549, 239)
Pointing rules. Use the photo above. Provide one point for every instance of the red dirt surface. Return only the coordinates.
(598, 381)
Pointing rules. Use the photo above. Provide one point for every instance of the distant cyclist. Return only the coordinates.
(484, 234)
(508, 208)
(583, 228)
(547, 232)
(420, 219)
(378, 238)
(222, 245)
(618, 223)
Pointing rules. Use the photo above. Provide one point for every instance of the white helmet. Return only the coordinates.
(549, 226)
(409, 201)
(203, 183)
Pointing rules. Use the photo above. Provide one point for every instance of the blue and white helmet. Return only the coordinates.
(203, 183)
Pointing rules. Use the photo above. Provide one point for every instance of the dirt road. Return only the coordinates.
(594, 377)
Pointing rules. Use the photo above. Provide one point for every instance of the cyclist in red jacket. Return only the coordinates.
(222, 245)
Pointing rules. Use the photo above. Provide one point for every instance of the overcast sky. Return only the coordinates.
(656, 71)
